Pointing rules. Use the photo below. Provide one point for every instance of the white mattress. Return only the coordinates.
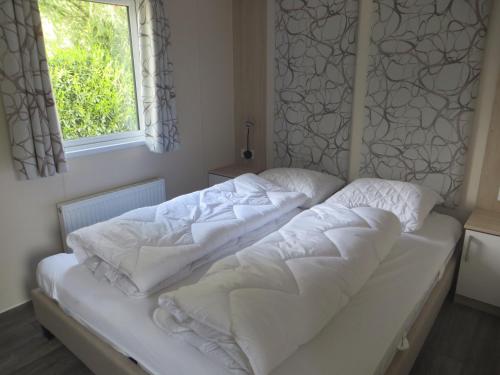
(360, 340)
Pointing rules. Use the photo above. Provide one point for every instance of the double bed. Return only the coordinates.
(380, 330)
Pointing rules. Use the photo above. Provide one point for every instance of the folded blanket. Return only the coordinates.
(253, 309)
(143, 250)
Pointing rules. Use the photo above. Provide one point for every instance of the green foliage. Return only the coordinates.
(90, 65)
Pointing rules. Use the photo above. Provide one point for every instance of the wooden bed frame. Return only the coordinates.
(103, 359)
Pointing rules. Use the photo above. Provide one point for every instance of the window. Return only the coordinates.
(92, 56)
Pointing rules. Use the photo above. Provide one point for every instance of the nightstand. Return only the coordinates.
(216, 176)
(479, 276)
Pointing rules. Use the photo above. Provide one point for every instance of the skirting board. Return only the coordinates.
(15, 306)
(103, 359)
(478, 305)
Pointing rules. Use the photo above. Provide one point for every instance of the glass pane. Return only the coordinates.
(90, 64)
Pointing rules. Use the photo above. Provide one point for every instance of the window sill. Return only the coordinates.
(98, 148)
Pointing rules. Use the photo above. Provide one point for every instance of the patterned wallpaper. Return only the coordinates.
(423, 77)
(314, 77)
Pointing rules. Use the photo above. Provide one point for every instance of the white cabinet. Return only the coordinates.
(479, 275)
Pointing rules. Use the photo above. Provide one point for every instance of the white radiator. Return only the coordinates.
(99, 207)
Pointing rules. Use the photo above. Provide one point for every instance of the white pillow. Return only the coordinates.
(315, 185)
(411, 203)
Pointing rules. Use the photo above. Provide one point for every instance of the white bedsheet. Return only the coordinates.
(358, 341)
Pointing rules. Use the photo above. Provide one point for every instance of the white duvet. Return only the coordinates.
(143, 250)
(253, 309)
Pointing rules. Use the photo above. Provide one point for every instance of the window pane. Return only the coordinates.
(90, 64)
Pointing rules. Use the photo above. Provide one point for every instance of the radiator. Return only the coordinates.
(93, 209)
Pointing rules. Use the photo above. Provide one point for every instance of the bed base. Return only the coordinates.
(403, 361)
(103, 359)
(100, 357)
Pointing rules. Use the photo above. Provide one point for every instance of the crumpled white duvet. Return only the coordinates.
(253, 309)
(141, 251)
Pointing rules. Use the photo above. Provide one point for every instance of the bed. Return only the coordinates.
(380, 331)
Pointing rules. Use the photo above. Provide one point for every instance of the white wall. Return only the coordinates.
(202, 51)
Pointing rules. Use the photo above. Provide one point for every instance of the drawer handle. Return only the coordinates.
(467, 249)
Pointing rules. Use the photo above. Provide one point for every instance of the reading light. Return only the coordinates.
(247, 153)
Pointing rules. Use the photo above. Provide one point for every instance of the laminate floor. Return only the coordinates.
(463, 341)
(25, 350)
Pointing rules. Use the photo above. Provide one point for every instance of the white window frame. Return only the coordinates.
(97, 144)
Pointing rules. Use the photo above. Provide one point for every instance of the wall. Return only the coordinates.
(479, 189)
(250, 60)
(421, 85)
(490, 175)
(202, 48)
(315, 58)
(470, 164)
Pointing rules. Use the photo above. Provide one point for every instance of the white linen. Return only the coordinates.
(411, 203)
(317, 186)
(51, 270)
(146, 249)
(239, 313)
(363, 338)
(127, 323)
(360, 340)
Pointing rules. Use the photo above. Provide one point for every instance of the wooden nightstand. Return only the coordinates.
(479, 276)
(216, 176)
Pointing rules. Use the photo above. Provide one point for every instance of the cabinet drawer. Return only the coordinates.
(479, 276)
(214, 179)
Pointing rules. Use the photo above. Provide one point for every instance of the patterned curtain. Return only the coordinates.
(35, 134)
(158, 95)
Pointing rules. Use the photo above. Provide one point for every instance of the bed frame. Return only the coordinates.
(103, 359)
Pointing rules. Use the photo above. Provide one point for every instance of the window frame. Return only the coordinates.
(101, 143)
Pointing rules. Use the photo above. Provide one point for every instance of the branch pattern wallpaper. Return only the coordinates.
(423, 77)
(314, 76)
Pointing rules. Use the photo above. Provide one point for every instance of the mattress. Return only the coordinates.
(361, 339)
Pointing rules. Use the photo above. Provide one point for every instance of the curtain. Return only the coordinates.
(158, 95)
(31, 116)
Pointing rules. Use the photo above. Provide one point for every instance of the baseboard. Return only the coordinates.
(478, 305)
(15, 306)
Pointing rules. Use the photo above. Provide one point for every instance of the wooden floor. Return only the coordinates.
(462, 342)
(24, 349)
